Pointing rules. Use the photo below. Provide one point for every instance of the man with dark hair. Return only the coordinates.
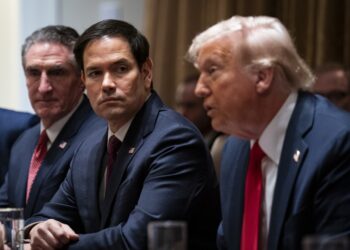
(39, 159)
(12, 124)
(333, 82)
(149, 163)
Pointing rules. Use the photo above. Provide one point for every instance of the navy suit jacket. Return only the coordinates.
(312, 192)
(12, 124)
(163, 172)
(55, 164)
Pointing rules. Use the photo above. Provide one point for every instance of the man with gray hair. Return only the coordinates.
(39, 160)
(286, 168)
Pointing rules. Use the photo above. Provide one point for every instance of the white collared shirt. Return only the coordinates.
(54, 130)
(271, 142)
(121, 133)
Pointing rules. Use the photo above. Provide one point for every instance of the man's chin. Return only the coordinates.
(49, 114)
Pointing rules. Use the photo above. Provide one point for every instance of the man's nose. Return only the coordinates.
(44, 83)
(202, 89)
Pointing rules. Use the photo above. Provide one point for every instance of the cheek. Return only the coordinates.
(92, 90)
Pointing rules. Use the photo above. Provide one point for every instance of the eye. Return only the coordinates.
(121, 68)
(33, 72)
(93, 74)
(212, 70)
(56, 72)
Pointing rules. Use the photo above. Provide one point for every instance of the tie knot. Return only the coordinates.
(256, 152)
(41, 147)
(43, 138)
(113, 145)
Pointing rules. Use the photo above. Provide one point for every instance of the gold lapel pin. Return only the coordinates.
(296, 156)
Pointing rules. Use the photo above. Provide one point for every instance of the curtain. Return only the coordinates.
(318, 27)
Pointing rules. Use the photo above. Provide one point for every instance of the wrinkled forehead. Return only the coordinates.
(220, 49)
(221, 29)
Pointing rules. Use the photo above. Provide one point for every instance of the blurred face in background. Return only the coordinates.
(335, 86)
(53, 81)
(191, 106)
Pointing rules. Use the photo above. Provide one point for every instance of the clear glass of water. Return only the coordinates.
(12, 224)
(167, 235)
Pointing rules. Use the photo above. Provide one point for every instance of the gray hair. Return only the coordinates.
(264, 42)
(58, 34)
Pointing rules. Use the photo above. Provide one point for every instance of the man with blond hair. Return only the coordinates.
(286, 170)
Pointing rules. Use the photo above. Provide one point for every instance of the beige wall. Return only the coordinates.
(19, 18)
(9, 54)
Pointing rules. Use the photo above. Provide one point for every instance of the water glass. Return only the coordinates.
(325, 242)
(12, 224)
(167, 235)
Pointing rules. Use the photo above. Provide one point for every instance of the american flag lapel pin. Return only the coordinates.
(296, 156)
(62, 145)
(131, 150)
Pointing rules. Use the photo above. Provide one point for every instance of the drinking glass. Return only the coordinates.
(325, 242)
(167, 235)
(12, 224)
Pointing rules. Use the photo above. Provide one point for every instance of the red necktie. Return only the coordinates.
(37, 158)
(112, 149)
(252, 200)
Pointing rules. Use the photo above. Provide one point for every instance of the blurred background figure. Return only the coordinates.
(333, 82)
(12, 124)
(191, 106)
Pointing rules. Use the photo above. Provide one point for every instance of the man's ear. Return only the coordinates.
(82, 76)
(264, 79)
(146, 72)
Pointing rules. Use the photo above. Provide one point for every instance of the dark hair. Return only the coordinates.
(191, 79)
(59, 34)
(329, 66)
(113, 28)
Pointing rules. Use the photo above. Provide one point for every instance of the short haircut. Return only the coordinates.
(191, 79)
(58, 34)
(329, 66)
(113, 28)
(263, 42)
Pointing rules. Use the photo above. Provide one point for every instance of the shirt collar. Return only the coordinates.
(53, 131)
(121, 133)
(272, 138)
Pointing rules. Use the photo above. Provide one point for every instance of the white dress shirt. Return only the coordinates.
(271, 142)
(53, 131)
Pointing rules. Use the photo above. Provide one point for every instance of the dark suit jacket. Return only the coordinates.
(312, 192)
(55, 165)
(12, 124)
(163, 172)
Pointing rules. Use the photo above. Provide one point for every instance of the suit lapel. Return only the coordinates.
(141, 126)
(237, 187)
(57, 151)
(293, 153)
(93, 174)
(24, 164)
